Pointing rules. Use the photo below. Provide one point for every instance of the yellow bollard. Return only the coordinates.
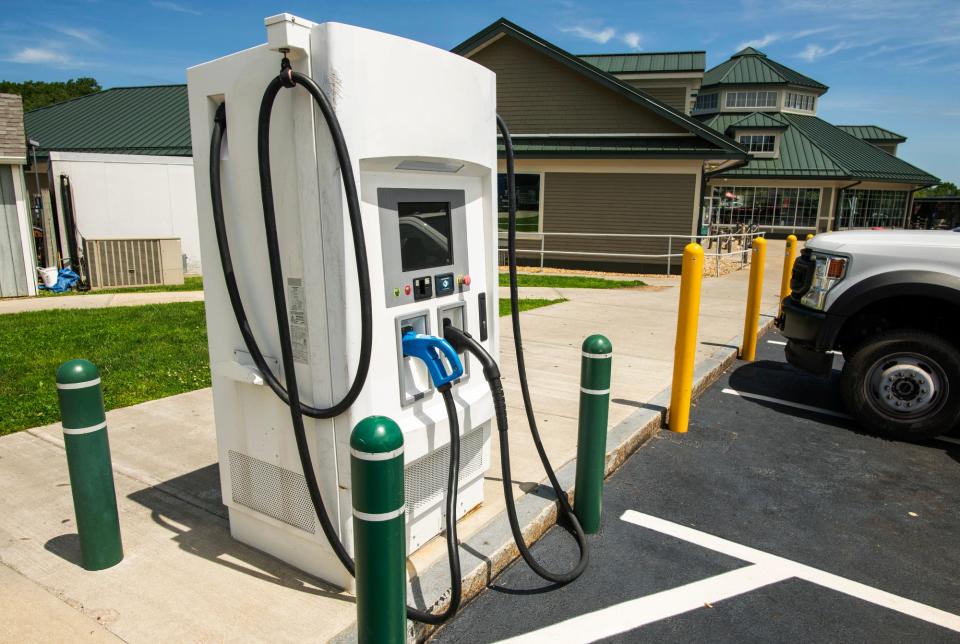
(809, 237)
(685, 349)
(748, 351)
(789, 256)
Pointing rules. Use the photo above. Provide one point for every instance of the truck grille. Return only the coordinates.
(802, 276)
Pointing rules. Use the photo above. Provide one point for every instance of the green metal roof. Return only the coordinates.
(724, 147)
(613, 146)
(872, 133)
(811, 148)
(648, 62)
(751, 67)
(759, 120)
(121, 120)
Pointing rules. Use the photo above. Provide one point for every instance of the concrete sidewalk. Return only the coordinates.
(184, 578)
(96, 301)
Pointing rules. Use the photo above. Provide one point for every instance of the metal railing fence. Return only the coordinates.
(715, 247)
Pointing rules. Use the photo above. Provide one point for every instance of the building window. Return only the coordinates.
(804, 102)
(528, 202)
(751, 99)
(706, 102)
(872, 208)
(758, 142)
(789, 208)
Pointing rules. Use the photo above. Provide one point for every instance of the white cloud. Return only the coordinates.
(173, 6)
(39, 55)
(811, 52)
(603, 36)
(759, 42)
(814, 51)
(768, 39)
(811, 32)
(632, 39)
(87, 36)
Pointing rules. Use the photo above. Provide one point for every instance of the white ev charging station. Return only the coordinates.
(420, 125)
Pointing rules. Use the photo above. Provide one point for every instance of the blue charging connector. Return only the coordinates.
(429, 349)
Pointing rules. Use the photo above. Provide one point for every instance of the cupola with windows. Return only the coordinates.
(751, 82)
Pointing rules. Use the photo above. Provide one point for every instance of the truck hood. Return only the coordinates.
(850, 241)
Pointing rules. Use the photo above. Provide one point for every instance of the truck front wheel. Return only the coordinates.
(904, 383)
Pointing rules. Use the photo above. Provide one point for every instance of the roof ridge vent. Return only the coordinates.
(749, 51)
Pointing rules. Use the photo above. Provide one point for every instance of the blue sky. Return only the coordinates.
(893, 63)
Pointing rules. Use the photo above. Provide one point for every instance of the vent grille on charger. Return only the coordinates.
(283, 494)
(271, 490)
(426, 478)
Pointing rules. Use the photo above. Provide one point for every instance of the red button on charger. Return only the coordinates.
(466, 280)
(406, 289)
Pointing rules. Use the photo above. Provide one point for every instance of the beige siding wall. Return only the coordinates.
(675, 92)
(675, 97)
(617, 203)
(12, 140)
(538, 95)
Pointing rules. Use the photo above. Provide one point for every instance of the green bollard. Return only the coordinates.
(592, 431)
(379, 532)
(88, 460)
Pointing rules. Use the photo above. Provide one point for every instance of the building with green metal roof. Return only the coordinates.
(805, 175)
(670, 77)
(120, 168)
(606, 148)
(120, 120)
(876, 135)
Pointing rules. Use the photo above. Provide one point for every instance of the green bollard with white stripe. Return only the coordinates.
(379, 530)
(592, 431)
(88, 460)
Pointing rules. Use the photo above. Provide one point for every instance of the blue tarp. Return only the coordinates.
(66, 279)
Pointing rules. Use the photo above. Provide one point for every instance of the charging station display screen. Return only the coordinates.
(424, 235)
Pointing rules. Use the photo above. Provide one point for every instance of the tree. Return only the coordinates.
(40, 93)
(945, 189)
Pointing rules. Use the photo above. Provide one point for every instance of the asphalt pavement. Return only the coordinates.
(774, 519)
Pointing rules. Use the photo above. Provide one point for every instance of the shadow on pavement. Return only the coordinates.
(785, 382)
(660, 409)
(199, 530)
(67, 547)
(722, 345)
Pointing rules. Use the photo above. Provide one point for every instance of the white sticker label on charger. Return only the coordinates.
(297, 311)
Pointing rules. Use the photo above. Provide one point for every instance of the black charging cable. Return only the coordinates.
(463, 341)
(290, 395)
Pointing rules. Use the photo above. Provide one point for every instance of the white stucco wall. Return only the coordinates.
(120, 196)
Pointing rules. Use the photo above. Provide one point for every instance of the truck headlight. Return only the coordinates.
(828, 272)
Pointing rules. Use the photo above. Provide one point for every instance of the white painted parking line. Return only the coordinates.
(798, 570)
(635, 613)
(766, 569)
(786, 403)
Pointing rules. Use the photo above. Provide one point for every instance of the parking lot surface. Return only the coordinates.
(773, 519)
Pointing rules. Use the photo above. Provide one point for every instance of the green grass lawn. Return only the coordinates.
(568, 281)
(527, 304)
(189, 284)
(143, 353)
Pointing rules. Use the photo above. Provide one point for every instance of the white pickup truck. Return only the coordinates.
(889, 301)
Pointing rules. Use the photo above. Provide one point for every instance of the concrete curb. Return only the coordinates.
(491, 549)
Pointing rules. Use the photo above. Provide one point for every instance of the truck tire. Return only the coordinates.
(905, 384)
